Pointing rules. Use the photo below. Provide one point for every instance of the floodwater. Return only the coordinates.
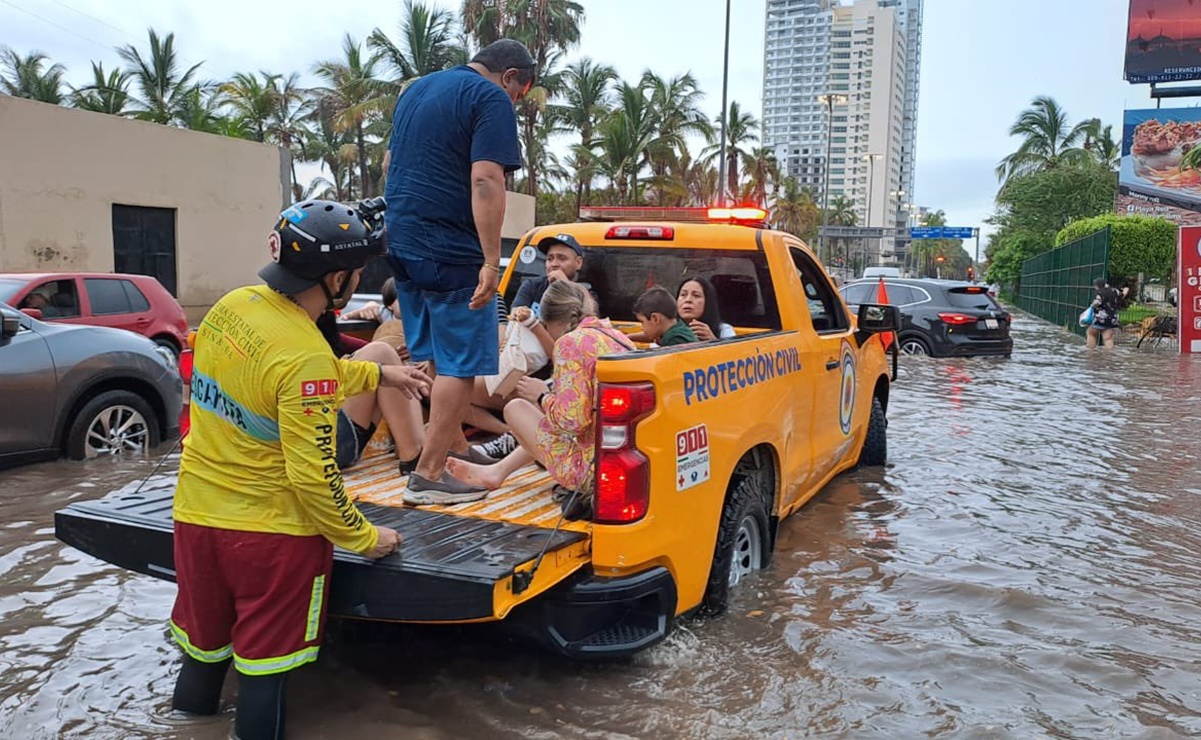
(1028, 565)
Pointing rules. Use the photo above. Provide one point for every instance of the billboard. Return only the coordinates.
(1163, 41)
(1160, 173)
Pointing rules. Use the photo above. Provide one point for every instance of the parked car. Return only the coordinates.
(138, 303)
(942, 318)
(885, 272)
(82, 391)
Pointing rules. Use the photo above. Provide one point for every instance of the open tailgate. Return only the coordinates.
(456, 563)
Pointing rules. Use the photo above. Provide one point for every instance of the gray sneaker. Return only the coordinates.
(498, 448)
(447, 491)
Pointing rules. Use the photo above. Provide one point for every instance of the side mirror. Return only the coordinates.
(12, 325)
(33, 313)
(876, 318)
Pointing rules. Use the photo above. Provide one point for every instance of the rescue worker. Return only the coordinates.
(260, 501)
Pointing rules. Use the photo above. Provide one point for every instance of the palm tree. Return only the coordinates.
(1099, 141)
(24, 77)
(795, 210)
(286, 125)
(677, 113)
(108, 93)
(542, 25)
(334, 149)
(428, 43)
(353, 97)
(199, 109)
(624, 138)
(587, 92)
(763, 172)
(740, 134)
(1048, 140)
(253, 100)
(162, 86)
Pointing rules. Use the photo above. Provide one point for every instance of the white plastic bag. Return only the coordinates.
(521, 355)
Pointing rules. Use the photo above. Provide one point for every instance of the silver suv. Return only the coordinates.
(82, 391)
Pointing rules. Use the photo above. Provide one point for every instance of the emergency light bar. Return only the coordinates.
(738, 214)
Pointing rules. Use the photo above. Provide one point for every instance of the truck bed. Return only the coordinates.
(456, 562)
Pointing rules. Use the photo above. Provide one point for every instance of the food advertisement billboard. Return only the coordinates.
(1163, 41)
(1161, 165)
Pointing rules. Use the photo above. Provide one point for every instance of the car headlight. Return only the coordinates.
(167, 356)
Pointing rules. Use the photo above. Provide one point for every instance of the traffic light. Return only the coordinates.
(940, 259)
(971, 274)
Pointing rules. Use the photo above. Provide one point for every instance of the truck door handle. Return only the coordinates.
(833, 364)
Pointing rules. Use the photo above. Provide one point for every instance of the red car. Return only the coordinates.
(138, 303)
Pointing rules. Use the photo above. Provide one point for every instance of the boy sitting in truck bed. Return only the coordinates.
(657, 312)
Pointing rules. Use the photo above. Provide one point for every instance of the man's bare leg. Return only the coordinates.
(448, 407)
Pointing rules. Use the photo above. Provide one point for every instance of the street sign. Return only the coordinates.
(857, 232)
(942, 232)
(1188, 299)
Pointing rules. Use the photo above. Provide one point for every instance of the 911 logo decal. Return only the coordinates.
(310, 388)
(846, 403)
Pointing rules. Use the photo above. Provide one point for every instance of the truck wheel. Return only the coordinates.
(112, 423)
(741, 544)
(875, 445)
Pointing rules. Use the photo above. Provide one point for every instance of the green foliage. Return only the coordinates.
(1032, 208)
(1143, 244)
(555, 208)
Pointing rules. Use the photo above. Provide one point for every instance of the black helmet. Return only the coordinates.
(316, 237)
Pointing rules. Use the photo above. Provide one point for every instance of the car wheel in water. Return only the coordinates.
(875, 445)
(914, 346)
(112, 423)
(741, 543)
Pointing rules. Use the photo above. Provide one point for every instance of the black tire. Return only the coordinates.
(875, 444)
(128, 410)
(746, 507)
(169, 343)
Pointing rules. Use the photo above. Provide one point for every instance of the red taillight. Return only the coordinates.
(662, 233)
(622, 472)
(740, 213)
(185, 374)
(956, 318)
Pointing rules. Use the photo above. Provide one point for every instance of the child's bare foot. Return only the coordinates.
(473, 474)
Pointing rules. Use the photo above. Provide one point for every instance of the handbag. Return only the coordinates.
(1086, 318)
(521, 355)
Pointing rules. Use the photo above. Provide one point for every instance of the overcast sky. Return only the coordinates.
(983, 60)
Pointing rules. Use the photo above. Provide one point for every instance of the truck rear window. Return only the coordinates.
(619, 275)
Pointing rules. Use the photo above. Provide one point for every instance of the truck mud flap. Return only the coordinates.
(447, 570)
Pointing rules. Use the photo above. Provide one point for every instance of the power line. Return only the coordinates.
(98, 20)
(52, 23)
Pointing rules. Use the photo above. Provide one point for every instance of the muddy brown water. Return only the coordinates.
(1028, 565)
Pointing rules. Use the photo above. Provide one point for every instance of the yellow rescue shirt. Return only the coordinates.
(266, 388)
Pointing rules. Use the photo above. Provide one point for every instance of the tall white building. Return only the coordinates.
(869, 52)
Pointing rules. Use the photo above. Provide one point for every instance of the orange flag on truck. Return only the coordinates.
(882, 298)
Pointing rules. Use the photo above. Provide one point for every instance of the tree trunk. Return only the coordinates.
(364, 178)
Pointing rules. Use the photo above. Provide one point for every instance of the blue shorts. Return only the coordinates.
(438, 324)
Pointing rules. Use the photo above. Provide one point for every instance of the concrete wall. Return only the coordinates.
(61, 171)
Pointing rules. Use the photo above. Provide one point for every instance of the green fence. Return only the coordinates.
(1057, 285)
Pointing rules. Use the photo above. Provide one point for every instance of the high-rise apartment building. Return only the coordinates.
(869, 53)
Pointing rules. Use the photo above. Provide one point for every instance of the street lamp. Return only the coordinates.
(725, 111)
(829, 100)
(871, 181)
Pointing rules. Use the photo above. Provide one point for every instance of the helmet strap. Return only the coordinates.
(331, 299)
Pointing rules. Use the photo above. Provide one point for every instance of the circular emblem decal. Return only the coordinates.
(846, 404)
(273, 245)
(528, 255)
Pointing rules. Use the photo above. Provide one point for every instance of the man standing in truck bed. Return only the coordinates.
(454, 136)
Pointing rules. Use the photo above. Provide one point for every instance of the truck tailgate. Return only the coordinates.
(456, 562)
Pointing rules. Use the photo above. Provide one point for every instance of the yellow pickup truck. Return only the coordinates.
(704, 449)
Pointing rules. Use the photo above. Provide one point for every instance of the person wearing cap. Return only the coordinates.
(454, 137)
(564, 260)
(260, 503)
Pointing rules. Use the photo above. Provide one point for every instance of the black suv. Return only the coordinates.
(942, 318)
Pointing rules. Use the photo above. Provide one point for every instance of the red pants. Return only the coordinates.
(257, 597)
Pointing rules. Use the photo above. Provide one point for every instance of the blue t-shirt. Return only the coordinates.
(442, 124)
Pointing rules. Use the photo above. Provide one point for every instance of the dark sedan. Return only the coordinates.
(82, 391)
(941, 318)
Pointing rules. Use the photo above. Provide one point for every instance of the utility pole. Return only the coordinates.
(871, 181)
(725, 112)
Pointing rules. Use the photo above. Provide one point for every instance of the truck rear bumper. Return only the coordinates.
(592, 617)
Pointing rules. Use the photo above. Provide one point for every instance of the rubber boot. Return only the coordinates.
(261, 705)
(198, 688)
